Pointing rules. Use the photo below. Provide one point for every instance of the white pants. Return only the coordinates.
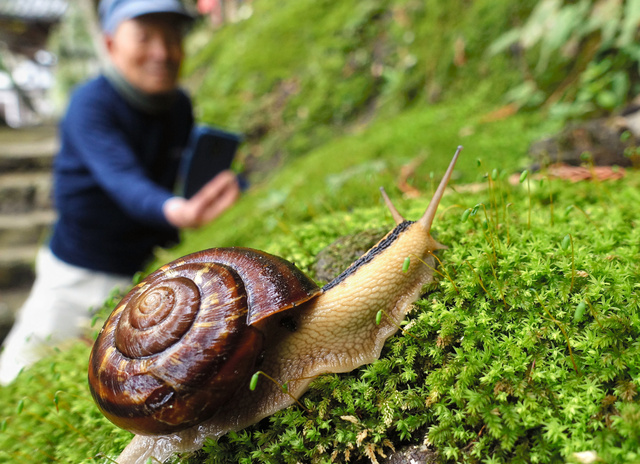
(58, 309)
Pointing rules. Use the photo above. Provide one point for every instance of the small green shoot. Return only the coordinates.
(20, 407)
(579, 313)
(479, 280)
(594, 313)
(253, 383)
(444, 268)
(382, 312)
(284, 387)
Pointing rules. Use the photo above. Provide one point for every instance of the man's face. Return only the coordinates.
(147, 50)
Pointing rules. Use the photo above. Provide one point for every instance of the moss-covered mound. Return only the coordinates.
(524, 350)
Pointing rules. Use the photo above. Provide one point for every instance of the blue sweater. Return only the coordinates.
(116, 167)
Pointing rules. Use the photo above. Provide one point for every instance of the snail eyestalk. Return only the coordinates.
(397, 217)
(427, 218)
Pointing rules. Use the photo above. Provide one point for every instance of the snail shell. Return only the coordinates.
(188, 336)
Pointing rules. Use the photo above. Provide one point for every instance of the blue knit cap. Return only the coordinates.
(113, 12)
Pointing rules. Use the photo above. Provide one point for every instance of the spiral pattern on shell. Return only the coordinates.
(180, 344)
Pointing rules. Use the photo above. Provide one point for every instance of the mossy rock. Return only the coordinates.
(339, 255)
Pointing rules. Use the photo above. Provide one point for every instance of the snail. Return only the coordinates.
(172, 363)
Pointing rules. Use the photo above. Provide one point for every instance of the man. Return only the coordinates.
(121, 142)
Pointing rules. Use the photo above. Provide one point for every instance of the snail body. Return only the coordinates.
(264, 316)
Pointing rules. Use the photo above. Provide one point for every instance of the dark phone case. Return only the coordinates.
(209, 152)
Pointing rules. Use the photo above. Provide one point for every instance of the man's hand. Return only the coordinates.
(207, 204)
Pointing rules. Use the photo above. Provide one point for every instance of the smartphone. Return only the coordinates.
(210, 151)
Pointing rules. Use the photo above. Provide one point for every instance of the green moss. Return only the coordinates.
(47, 415)
(496, 368)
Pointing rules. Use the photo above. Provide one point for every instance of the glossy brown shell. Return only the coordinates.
(184, 340)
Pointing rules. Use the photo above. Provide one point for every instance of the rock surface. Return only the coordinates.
(416, 454)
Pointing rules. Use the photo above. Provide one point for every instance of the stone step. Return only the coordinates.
(27, 150)
(25, 191)
(17, 266)
(25, 162)
(25, 229)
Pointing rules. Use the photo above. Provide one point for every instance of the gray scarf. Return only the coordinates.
(149, 103)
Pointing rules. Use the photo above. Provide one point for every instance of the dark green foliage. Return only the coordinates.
(293, 76)
(581, 56)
